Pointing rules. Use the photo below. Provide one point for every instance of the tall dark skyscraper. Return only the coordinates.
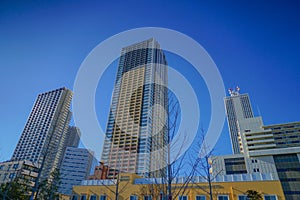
(237, 107)
(137, 124)
(43, 139)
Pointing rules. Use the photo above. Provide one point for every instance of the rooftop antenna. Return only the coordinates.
(234, 92)
(230, 91)
(238, 89)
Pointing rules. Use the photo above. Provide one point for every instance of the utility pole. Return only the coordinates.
(169, 173)
(209, 177)
(118, 181)
(117, 186)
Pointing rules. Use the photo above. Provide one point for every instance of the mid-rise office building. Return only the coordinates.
(259, 139)
(76, 166)
(273, 149)
(284, 167)
(43, 139)
(238, 107)
(137, 123)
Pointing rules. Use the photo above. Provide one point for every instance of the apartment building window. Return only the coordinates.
(200, 197)
(103, 197)
(83, 197)
(243, 197)
(12, 175)
(270, 197)
(16, 166)
(74, 197)
(93, 197)
(223, 197)
(147, 197)
(182, 198)
(133, 197)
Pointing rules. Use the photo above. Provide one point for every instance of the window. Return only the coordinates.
(200, 197)
(270, 197)
(74, 197)
(223, 197)
(133, 197)
(182, 198)
(16, 166)
(147, 197)
(83, 197)
(243, 197)
(93, 197)
(12, 175)
(103, 197)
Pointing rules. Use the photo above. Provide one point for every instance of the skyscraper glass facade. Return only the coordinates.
(288, 169)
(137, 124)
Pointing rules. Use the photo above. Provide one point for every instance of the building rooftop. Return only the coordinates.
(196, 179)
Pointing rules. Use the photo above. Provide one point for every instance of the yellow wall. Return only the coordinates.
(232, 189)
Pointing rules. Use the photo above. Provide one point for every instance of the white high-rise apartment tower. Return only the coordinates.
(43, 139)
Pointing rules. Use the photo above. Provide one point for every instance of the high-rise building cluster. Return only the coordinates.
(43, 139)
(45, 145)
(134, 153)
(136, 129)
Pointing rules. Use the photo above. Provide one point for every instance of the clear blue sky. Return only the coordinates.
(255, 45)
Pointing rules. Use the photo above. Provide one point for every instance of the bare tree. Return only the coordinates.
(177, 172)
(114, 187)
(203, 164)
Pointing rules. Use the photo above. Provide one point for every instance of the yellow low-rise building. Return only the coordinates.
(132, 187)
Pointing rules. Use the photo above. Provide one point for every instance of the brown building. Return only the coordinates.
(100, 172)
